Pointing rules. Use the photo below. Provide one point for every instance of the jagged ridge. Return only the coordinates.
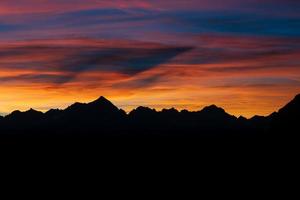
(102, 117)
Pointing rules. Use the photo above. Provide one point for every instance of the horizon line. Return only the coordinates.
(3, 114)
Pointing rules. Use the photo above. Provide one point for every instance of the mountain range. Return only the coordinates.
(101, 118)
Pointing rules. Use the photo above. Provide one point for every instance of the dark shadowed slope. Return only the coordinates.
(291, 109)
(1, 120)
(287, 119)
(101, 118)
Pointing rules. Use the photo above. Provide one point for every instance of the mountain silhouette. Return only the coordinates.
(100, 108)
(291, 109)
(287, 119)
(101, 118)
(18, 120)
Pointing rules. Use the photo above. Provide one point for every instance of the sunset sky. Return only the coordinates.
(242, 55)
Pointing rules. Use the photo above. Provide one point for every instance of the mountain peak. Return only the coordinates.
(101, 100)
(242, 118)
(15, 112)
(213, 108)
(31, 110)
(102, 104)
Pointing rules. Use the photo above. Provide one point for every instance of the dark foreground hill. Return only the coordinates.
(101, 119)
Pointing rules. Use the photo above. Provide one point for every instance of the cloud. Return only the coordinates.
(36, 78)
(257, 82)
(129, 19)
(169, 52)
(124, 60)
(235, 52)
(72, 57)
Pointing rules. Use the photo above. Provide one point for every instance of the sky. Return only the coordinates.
(242, 55)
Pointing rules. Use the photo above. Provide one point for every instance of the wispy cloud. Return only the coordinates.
(72, 57)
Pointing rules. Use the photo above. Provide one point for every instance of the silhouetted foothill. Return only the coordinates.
(101, 118)
(29, 115)
(170, 111)
(18, 120)
(257, 118)
(242, 119)
(53, 113)
(215, 112)
(141, 112)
